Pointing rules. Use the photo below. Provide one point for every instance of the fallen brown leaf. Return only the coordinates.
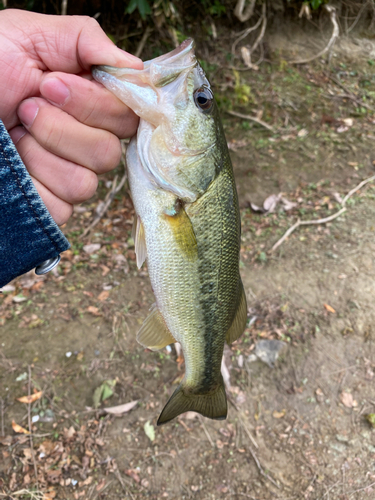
(329, 308)
(279, 414)
(118, 410)
(17, 428)
(30, 399)
(103, 296)
(94, 311)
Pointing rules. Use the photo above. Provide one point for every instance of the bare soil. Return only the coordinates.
(295, 431)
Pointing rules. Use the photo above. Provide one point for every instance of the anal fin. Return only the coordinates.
(154, 333)
(239, 322)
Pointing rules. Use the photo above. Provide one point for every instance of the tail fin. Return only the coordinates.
(212, 405)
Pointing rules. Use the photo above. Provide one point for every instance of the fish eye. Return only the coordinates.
(203, 99)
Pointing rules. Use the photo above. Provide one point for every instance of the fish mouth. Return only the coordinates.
(143, 90)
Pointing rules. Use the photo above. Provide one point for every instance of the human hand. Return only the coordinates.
(66, 126)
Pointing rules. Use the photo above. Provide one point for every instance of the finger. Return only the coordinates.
(64, 136)
(68, 181)
(67, 43)
(90, 103)
(60, 210)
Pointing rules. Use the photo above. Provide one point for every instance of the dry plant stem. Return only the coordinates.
(244, 35)
(244, 426)
(143, 41)
(239, 10)
(30, 429)
(108, 200)
(2, 416)
(335, 33)
(357, 18)
(64, 7)
(326, 219)
(262, 31)
(350, 95)
(260, 468)
(121, 481)
(206, 431)
(252, 119)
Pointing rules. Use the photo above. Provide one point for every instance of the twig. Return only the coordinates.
(244, 426)
(206, 431)
(108, 200)
(262, 31)
(350, 95)
(64, 7)
(240, 14)
(261, 470)
(251, 118)
(326, 219)
(361, 489)
(2, 416)
(143, 41)
(357, 18)
(335, 33)
(30, 428)
(121, 481)
(244, 34)
(357, 188)
(306, 223)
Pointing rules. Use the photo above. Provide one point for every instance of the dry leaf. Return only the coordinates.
(17, 428)
(347, 399)
(30, 399)
(94, 311)
(329, 308)
(103, 296)
(118, 410)
(133, 473)
(279, 414)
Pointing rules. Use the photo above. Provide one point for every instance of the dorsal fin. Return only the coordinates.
(154, 333)
(239, 322)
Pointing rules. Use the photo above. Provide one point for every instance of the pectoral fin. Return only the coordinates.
(183, 230)
(154, 333)
(239, 322)
(138, 235)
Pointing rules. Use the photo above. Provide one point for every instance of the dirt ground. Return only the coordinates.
(297, 430)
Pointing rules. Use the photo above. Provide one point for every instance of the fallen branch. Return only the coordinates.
(335, 33)
(108, 200)
(251, 118)
(321, 221)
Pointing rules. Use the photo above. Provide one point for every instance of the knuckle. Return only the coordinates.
(84, 186)
(107, 154)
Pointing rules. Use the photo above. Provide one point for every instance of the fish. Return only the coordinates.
(187, 221)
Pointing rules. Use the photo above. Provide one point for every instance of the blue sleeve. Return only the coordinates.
(28, 234)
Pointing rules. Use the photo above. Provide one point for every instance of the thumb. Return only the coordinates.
(68, 43)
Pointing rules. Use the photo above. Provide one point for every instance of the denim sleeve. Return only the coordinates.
(28, 234)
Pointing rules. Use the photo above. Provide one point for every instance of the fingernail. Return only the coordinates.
(55, 91)
(27, 112)
(17, 133)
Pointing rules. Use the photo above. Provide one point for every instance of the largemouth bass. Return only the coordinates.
(187, 224)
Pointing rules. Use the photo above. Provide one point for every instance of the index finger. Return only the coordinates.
(90, 103)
